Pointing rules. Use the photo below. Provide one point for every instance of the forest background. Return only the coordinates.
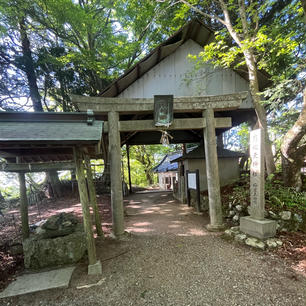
(50, 49)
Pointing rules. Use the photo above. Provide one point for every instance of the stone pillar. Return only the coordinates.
(255, 224)
(115, 173)
(94, 266)
(212, 172)
(23, 206)
(93, 197)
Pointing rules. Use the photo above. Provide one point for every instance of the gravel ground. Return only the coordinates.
(170, 259)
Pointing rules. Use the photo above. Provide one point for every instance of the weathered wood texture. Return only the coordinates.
(91, 247)
(23, 207)
(93, 197)
(212, 171)
(116, 180)
(129, 167)
(37, 167)
(178, 124)
(181, 104)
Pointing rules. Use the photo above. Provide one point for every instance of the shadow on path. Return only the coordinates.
(158, 213)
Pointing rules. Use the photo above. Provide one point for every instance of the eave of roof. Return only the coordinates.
(194, 30)
(199, 153)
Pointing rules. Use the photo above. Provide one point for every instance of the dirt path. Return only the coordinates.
(158, 213)
(170, 259)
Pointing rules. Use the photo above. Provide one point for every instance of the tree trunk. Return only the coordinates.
(54, 184)
(260, 111)
(149, 177)
(29, 67)
(293, 156)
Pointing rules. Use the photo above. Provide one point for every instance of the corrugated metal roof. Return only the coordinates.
(194, 30)
(199, 153)
(50, 131)
(165, 165)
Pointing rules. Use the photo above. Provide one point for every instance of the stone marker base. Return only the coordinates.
(95, 269)
(215, 228)
(261, 229)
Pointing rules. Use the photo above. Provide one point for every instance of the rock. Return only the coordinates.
(285, 215)
(230, 205)
(240, 237)
(228, 232)
(231, 213)
(58, 225)
(236, 218)
(273, 215)
(239, 207)
(235, 229)
(232, 231)
(279, 242)
(298, 218)
(273, 242)
(16, 249)
(249, 209)
(40, 253)
(255, 243)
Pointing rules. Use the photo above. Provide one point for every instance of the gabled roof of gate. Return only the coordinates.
(194, 30)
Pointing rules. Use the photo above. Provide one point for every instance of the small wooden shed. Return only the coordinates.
(35, 142)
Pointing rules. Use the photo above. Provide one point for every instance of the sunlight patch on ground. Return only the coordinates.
(142, 224)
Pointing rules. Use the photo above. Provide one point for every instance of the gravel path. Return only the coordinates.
(170, 259)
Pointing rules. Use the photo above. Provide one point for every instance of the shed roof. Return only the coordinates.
(165, 165)
(47, 136)
(194, 30)
(199, 153)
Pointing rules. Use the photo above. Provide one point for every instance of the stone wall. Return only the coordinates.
(286, 220)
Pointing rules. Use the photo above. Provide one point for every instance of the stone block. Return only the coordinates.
(41, 253)
(95, 269)
(261, 229)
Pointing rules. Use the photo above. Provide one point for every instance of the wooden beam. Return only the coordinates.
(91, 247)
(181, 104)
(37, 167)
(129, 167)
(178, 124)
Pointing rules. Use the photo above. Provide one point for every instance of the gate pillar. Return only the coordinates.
(212, 172)
(115, 173)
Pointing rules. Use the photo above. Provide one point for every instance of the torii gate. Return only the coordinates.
(206, 105)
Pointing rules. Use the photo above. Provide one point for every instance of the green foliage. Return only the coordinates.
(277, 196)
(142, 160)
(284, 198)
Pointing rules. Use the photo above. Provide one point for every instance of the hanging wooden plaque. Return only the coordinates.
(163, 110)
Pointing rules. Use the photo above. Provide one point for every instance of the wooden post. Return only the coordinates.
(115, 173)
(91, 247)
(23, 206)
(129, 167)
(212, 172)
(93, 197)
